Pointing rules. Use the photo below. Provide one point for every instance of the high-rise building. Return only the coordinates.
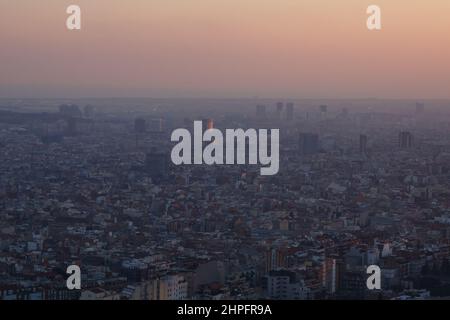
(210, 124)
(156, 164)
(331, 273)
(170, 287)
(405, 140)
(275, 259)
(323, 108)
(308, 143)
(279, 110)
(140, 125)
(363, 144)
(290, 111)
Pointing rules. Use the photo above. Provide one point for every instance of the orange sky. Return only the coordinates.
(225, 48)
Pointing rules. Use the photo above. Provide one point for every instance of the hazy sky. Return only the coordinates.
(225, 48)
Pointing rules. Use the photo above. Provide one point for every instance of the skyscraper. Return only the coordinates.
(289, 111)
(140, 125)
(405, 140)
(363, 144)
(308, 143)
(156, 165)
(279, 110)
(323, 108)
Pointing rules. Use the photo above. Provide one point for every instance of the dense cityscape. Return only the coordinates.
(90, 183)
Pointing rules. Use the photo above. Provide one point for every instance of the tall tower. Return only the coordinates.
(308, 143)
(279, 110)
(362, 144)
(290, 111)
(156, 165)
(405, 140)
(140, 125)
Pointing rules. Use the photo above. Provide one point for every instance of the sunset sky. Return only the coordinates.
(225, 48)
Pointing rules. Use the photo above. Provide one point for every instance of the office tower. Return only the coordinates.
(420, 108)
(140, 125)
(323, 109)
(363, 144)
(169, 287)
(290, 111)
(260, 111)
(275, 259)
(210, 124)
(331, 273)
(279, 110)
(405, 140)
(156, 165)
(308, 143)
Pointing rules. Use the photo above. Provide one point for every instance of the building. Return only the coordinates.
(279, 110)
(289, 111)
(156, 165)
(275, 259)
(308, 143)
(405, 140)
(282, 285)
(362, 144)
(331, 274)
(140, 125)
(170, 287)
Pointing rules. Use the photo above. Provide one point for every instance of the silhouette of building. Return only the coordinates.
(290, 111)
(156, 165)
(140, 125)
(210, 124)
(308, 143)
(275, 259)
(405, 140)
(279, 110)
(363, 144)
